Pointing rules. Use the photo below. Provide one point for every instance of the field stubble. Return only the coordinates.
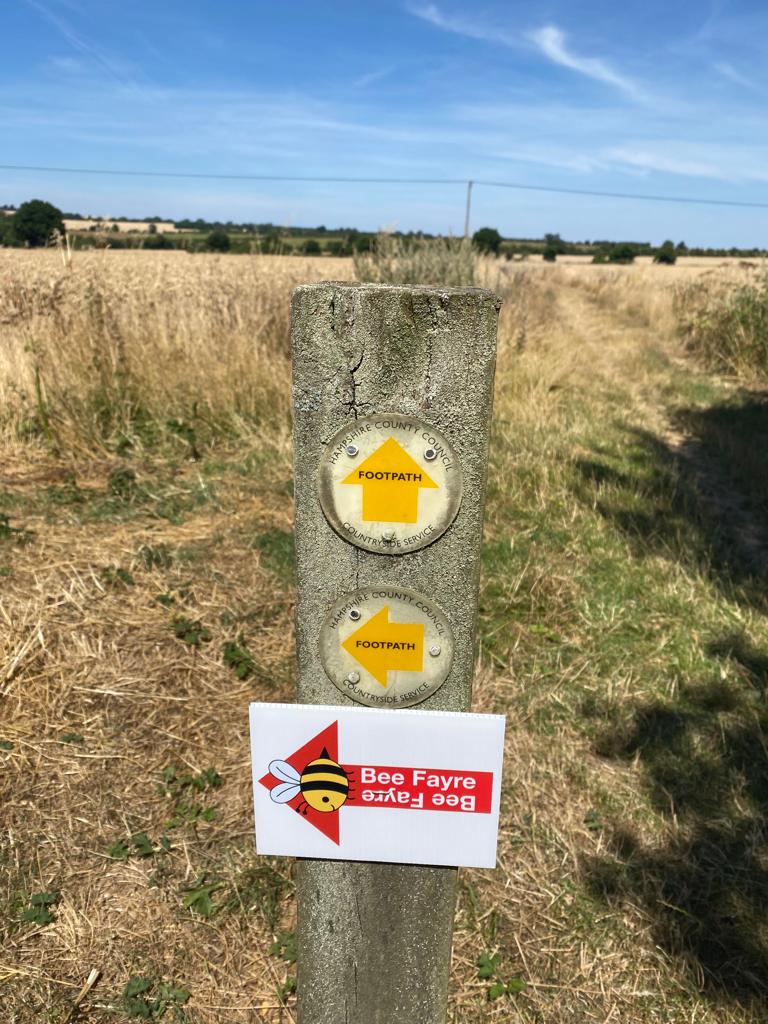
(147, 596)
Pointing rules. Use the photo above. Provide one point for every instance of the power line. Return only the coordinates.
(349, 180)
(236, 177)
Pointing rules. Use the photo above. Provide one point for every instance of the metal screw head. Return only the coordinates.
(434, 650)
(353, 677)
(430, 454)
(352, 450)
(354, 614)
(388, 535)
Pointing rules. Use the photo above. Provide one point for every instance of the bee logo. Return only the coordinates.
(323, 785)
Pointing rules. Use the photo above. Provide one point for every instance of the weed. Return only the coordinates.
(40, 907)
(488, 970)
(261, 888)
(6, 745)
(190, 631)
(238, 658)
(147, 999)
(138, 845)
(286, 988)
(284, 947)
(199, 895)
(179, 786)
(71, 737)
(114, 575)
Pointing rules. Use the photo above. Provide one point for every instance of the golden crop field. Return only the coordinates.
(146, 596)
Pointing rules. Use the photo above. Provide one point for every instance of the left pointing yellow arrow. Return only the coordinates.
(381, 646)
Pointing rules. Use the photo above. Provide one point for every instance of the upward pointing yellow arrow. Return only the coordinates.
(381, 646)
(391, 480)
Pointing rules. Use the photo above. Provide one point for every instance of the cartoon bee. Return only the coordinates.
(324, 785)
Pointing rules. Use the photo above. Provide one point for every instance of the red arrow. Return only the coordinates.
(328, 741)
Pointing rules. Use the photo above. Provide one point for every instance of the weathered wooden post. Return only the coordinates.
(412, 366)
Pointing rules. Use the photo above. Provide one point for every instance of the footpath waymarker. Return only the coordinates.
(392, 395)
(390, 483)
(350, 784)
(387, 647)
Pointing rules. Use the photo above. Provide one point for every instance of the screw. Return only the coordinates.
(354, 614)
(352, 450)
(434, 650)
(388, 535)
(430, 454)
(353, 677)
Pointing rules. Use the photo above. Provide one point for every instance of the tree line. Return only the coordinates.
(37, 223)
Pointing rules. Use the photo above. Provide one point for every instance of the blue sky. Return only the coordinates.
(586, 94)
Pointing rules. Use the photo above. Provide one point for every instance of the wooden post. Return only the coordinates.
(375, 939)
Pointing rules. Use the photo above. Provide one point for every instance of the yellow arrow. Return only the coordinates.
(390, 479)
(381, 646)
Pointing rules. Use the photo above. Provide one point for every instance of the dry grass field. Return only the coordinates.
(146, 597)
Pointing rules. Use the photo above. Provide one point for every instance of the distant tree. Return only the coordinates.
(36, 221)
(487, 240)
(550, 254)
(681, 247)
(157, 242)
(555, 244)
(6, 230)
(218, 241)
(152, 228)
(312, 247)
(667, 254)
(114, 228)
(271, 242)
(621, 253)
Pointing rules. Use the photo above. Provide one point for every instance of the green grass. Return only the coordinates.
(625, 604)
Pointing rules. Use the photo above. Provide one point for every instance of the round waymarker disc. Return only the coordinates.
(390, 483)
(386, 647)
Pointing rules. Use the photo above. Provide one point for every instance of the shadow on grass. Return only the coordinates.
(704, 763)
(700, 496)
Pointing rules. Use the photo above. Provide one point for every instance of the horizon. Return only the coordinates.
(567, 96)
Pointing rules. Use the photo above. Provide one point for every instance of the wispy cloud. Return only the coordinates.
(550, 40)
(373, 76)
(463, 26)
(83, 46)
(734, 164)
(730, 72)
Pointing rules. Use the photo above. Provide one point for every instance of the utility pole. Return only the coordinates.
(374, 940)
(468, 209)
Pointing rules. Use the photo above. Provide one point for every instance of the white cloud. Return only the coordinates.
(372, 76)
(734, 164)
(550, 40)
(461, 26)
(728, 71)
(116, 69)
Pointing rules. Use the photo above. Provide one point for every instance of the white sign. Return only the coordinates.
(341, 783)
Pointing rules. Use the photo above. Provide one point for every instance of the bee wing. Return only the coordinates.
(284, 771)
(285, 792)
